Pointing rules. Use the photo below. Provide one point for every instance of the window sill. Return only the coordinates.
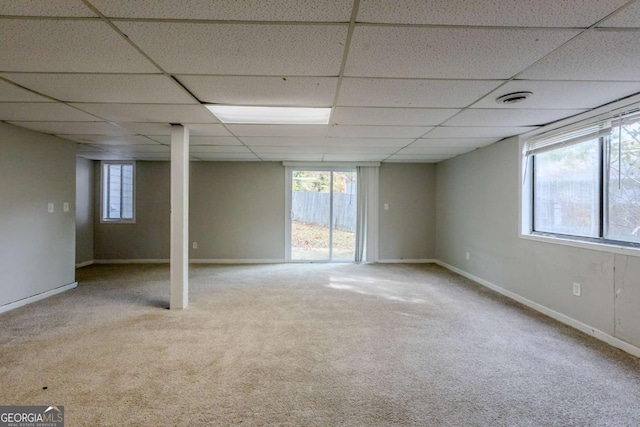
(600, 247)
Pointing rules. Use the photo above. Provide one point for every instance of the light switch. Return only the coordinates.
(577, 289)
(386, 206)
(65, 206)
(50, 207)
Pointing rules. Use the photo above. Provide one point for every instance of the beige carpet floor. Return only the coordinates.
(307, 345)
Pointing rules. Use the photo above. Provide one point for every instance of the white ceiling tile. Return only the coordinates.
(152, 156)
(246, 90)
(213, 140)
(454, 142)
(414, 158)
(110, 139)
(261, 149)
(295, 157)
(47, 111)
(71, 46)
(148, 129)
(162, 139)
(83, 148)
(628, 17)
(199, 140)
(146, 148)
(477, 132)
(230, 10)
(451, 52)
(345, 157)
(541, 13)
(378, 131)
(73, 8)
(561, 94)
(197, 149)
(284, 141)
(391, 116)
(13, 93)
(153, 130)
(435, 151)
(102, 88)
(413, 93)
(505, 117)
(177, 113)
(204, 129)
(228, 156)
(595, 55)
(71, 128)
(369, 142)
(103, 156)
(241, 49)
(279, 130)
(361, 150)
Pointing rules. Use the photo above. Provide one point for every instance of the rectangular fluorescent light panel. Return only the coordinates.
(271, 115)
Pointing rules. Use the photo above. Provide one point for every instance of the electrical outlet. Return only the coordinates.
(468, 256)
(386, 206)
(50, 207)
(195, 245)
(65, 206)
(577, 289)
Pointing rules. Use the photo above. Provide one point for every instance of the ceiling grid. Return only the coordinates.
(408, 81)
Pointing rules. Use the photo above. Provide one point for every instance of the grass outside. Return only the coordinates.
(311, 241)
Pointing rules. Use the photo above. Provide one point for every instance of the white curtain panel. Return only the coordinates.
(287, 222)
(367, 214)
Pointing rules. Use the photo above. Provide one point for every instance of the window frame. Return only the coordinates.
(526, 187)
(104, 220)
(601, 203)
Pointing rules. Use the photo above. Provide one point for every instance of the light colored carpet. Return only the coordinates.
(307, 345)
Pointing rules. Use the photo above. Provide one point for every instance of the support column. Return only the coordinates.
(179, 217)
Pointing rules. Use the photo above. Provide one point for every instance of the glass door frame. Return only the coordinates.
(289, 212)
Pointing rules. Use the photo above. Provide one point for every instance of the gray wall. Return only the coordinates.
(85, 182)
(237, 210)
(148, 237)
(237, 213)
(37, 248)
(407, 229)
(477, 211)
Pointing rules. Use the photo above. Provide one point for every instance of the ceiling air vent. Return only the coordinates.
(513, 98)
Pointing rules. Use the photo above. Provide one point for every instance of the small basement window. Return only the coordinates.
(118, 182)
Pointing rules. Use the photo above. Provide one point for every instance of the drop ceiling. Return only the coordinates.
(409, 81)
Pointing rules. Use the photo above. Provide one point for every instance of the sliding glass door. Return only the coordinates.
(322, 215)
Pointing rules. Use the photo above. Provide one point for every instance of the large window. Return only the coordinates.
(118, 191)
(585, 182)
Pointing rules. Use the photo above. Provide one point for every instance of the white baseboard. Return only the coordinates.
(191, 261)
(85, 264)
(583, 327)
(130, 261)
(406, 261)
(237, 261)
(37, 297)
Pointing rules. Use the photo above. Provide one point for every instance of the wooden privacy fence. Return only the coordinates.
(312, 207)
